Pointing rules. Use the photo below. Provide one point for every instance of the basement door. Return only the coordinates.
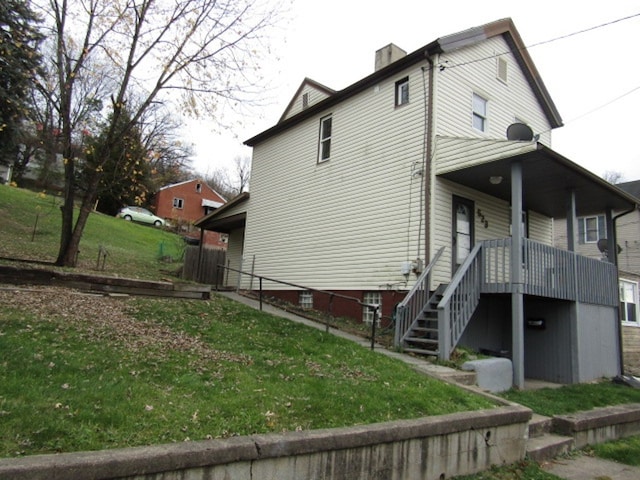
(462, 229)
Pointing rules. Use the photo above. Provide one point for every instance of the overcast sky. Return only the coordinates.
(334, 42)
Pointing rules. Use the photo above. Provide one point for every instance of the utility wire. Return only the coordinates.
(544, 42)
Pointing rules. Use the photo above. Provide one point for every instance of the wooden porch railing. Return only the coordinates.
(547, 272)
(459, 301)
(550, 272)
(413, 303)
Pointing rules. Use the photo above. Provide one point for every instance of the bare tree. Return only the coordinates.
(613, 177)
(205, 50)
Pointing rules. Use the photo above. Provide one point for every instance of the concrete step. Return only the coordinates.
(548, 446)
(539, 425)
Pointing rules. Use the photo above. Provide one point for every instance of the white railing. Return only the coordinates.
(459, 301)
(414, 302)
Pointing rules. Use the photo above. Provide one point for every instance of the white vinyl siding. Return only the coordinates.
(465, 75)
(347, 222)
(491, 220)
(313, 96)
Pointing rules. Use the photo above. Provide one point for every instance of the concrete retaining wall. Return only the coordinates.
(600, 424)
(422, 449)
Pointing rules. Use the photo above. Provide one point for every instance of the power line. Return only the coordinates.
(544, 42)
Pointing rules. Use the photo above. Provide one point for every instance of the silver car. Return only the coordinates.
(141, 215)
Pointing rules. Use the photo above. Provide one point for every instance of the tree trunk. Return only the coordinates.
(67, 216)
(69, 250)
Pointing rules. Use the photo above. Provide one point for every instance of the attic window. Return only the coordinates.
(198, 187)
(305, 100)
(502, 69)
(402, 91)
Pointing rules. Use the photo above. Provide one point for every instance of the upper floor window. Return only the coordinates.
(198, 187)
(402, 91)
(591, 229)
(479, 113)
(629, 301)
(324, 147)
(178, 202)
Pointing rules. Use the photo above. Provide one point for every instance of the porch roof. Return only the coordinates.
(547, 178)
(229, 216)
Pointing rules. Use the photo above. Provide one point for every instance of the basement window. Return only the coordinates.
(371, 298)
(306, 299)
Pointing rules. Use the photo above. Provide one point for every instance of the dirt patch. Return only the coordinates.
(100, 318)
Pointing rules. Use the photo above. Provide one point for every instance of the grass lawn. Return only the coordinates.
(30, 229)
(84, 372)
(574, 398)
(625, 450)
(525, 470)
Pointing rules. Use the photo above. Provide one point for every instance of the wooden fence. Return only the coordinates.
(209, 273)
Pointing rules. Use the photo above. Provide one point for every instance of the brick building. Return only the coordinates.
(183, 203)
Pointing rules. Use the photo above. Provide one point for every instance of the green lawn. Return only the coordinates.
(84, 372)
(574, 398)
(30, 229)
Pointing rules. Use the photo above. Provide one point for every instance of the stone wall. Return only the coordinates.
(422, 449)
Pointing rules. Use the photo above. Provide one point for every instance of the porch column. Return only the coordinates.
(517, 297)
(572, 221)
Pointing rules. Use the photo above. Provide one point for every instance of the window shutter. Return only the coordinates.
(602, 229)
(581, 230)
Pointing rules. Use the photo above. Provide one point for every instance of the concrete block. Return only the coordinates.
(493, 374)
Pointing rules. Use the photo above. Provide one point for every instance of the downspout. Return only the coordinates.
(613, 250)
(428, 160)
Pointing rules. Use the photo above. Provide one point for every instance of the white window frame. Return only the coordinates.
(371, 298)
(178, 203)
(198, 187)
(402, 92)
(324, 140)
(305, 299)
(584, 231)
(479, 116)
(629, 288)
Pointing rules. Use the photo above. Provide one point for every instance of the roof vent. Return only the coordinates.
(519, 132)
(387, 55)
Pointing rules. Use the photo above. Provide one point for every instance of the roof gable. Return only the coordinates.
(448, 43)
(314, 92)
(193, 181)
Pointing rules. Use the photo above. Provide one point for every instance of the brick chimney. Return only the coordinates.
(387, 55)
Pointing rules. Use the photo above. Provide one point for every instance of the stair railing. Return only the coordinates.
(459, 301)
(414, 302)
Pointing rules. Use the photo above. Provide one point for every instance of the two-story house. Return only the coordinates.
(593, 242)
(185, 202)
(402, 190)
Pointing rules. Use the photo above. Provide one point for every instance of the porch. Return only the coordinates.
(559, 289)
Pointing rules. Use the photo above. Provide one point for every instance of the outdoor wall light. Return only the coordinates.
(495, 180)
